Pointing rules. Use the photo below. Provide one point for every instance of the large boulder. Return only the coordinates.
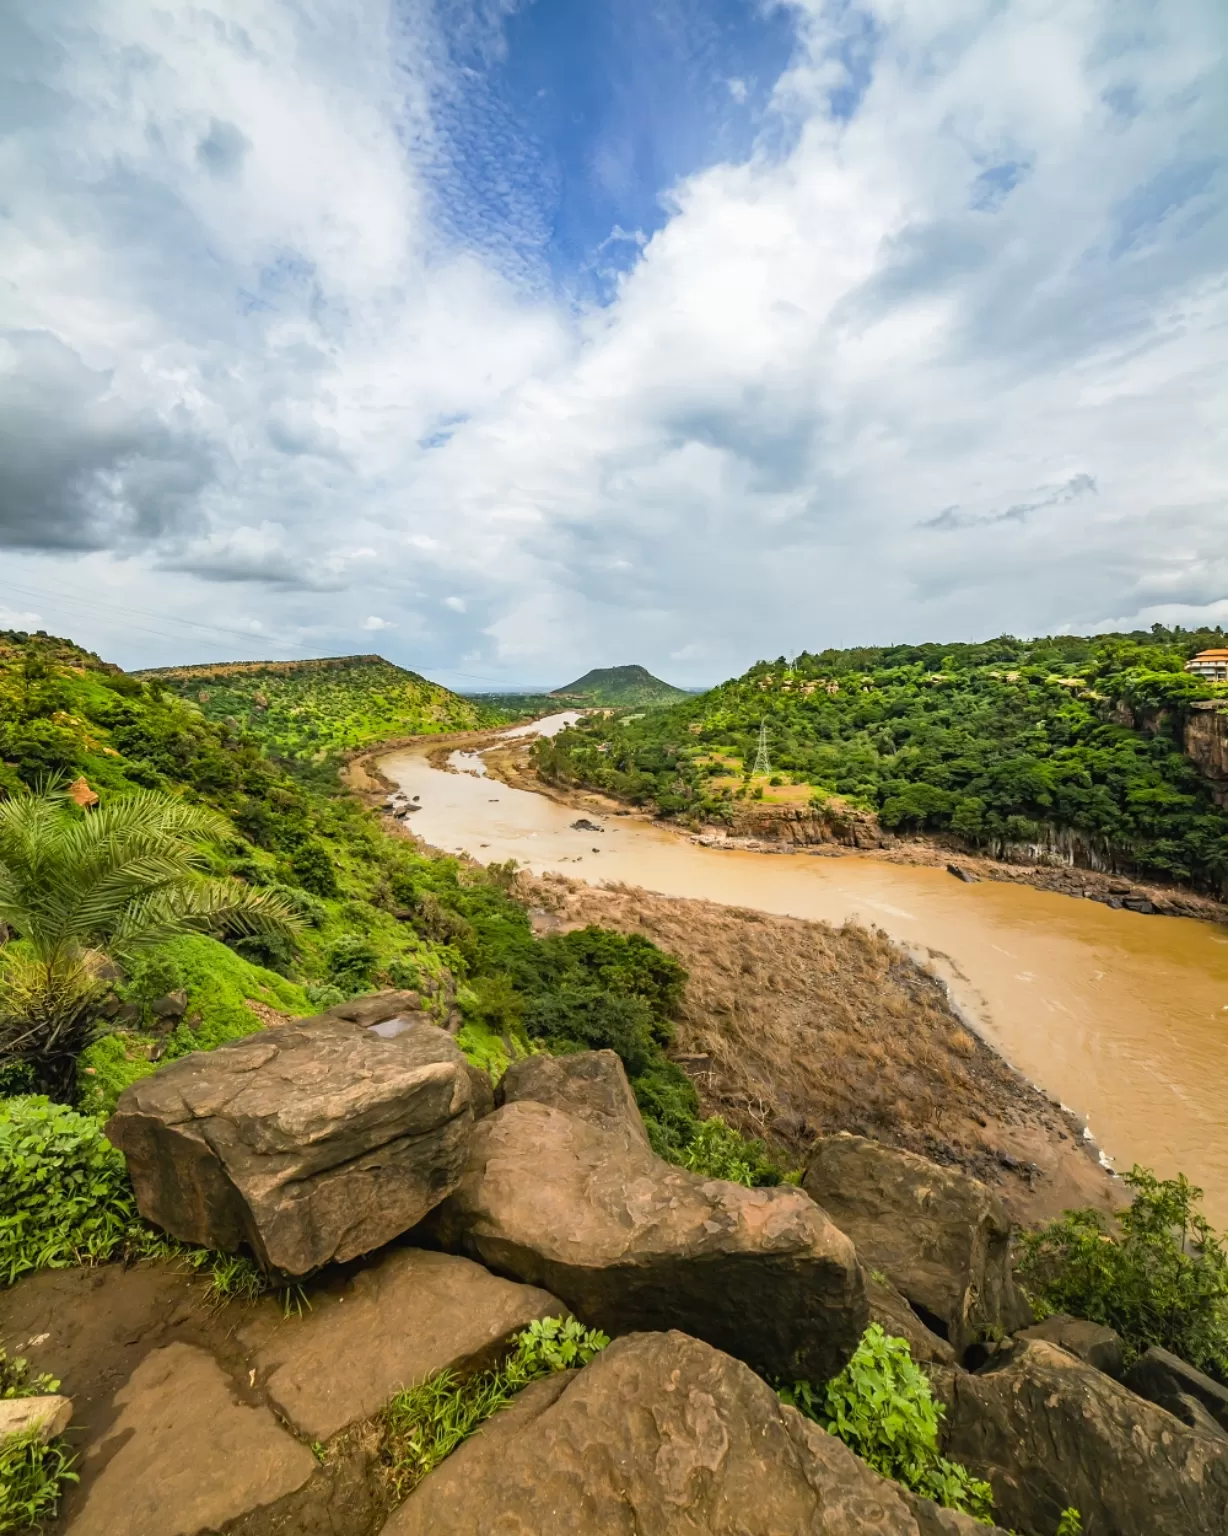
(1049, 1431)
(630, 1242)
(661, 1434)
(1092, 1342)
(403, 1317)
(941, 1238)
(591, 1085)
(309, 1143)
(1166, 1379)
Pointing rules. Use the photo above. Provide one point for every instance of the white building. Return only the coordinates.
(1213, 665)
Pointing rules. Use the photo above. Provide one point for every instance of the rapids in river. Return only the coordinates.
(1124, 1017)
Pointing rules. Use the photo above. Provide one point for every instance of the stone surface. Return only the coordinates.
(1048, 1431)
(898, 1319)
(51, 1414)
(630, 1242)
(184, 1456)
(940, 1237)
(311, 1143)
(1163, 1378)
(1092, 1342)
(591, 1085)
(660, 1436)
(377, 1008)
(402, 1318)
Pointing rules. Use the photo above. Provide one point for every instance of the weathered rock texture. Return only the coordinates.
(661, 1436)
(407, 1316)
(1092, 1342)
(1049, 1431)
(941, 1237)
(1164, 1379)
(1206, 744)
(315, 1142)
(630, 1242)
(889, 1309)
(50, 1415)
(591, 1085)
(184, 1457)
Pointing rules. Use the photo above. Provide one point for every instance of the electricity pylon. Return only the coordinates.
(762, 765)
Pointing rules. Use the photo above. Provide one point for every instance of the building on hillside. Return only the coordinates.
(1213, 665)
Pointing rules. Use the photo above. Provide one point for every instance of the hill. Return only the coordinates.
(620, 686)
(308, 711)
(1082, 748)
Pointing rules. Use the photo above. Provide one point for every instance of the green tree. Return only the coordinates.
(114, 881)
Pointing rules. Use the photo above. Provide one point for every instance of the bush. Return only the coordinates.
(718, 1151)
(425, 1424)
(1163, 1280)
(591, 1019)
(64, 1193)
(881, 1406)
(352, 963)
(313, 868)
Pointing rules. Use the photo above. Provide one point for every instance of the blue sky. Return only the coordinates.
(510, 337)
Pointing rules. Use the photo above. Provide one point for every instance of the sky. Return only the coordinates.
(508, 338)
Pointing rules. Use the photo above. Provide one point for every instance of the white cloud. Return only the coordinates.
(373, 622)
(841, 396)
(10, 618)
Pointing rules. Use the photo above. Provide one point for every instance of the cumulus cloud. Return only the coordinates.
(942, 355)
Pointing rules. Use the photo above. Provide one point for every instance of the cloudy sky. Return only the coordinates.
(510, 337)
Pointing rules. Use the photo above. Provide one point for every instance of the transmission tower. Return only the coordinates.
(762, 764)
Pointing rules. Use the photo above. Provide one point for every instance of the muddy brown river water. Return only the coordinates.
(1123, 1017)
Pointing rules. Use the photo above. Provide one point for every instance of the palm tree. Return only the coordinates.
(123, 877)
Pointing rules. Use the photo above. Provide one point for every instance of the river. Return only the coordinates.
(1124, 1017)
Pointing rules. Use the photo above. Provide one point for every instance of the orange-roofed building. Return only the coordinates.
(1213, 665)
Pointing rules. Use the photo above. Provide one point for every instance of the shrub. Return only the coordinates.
(592, 1019)
(426, 1423)
(1162, 1280)
(313, 868)
(352, 963)
(718, 1151)
(881, 1406)
(64, 1193)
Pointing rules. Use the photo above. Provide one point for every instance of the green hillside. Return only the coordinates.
(1062, 741)
(627, 686)
(307, 711)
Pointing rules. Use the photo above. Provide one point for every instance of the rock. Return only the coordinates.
(311, 1143)
(50, 1415)
(184, 1454)
(585, 825)
(591, 1085)
(663, 1435)
(481, 1089)
(630, 1242)
(1049, 1431)
(375, 1008)
(941, 1237)
(173, 1006)
(80, 793)
(401, 1319)
(1161, 1377)
(1092, 1342)
(961, 873)
(899, 1320)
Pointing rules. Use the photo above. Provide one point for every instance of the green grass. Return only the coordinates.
(32, 1475)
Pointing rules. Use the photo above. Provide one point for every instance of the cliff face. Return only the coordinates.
(808, 825)
(1206, 745)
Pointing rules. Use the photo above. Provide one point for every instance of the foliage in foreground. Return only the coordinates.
(424, 1424)
(32, 1474)
(882, 1407)
(1162, 1279)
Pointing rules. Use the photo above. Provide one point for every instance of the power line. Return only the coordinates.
(762, 764)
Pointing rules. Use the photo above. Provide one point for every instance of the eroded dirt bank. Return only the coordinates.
(791, 1029)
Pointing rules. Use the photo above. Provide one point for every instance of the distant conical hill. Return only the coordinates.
(620, 685)
(310, 709)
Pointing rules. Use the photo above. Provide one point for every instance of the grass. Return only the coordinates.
(32, 1475)
(423, 1425)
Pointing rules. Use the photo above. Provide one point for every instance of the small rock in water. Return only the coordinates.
(960, 873)
(584, 825)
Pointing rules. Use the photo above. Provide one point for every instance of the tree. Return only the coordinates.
(115, 881)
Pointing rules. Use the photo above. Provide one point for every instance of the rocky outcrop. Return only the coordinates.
(941, 1237)
(310, 1143)
(630, 1242)
(184, 1455)
(407, 1316)
(591, 1085)
(1186, 1392)
(1048, 1431)
(1091, 1342)
(1206, 745)
(661, 1434)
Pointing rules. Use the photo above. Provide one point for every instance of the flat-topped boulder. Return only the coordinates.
(591, 1085)
(405, 1316)
(1048, 1431)
(1092, 1342)
(661, 1434)
(941, 1238)
(1192, 1396)
(314, 1142)
(630, 1242)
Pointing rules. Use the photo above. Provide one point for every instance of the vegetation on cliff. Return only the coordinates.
(630, 686)
(1062, 742)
